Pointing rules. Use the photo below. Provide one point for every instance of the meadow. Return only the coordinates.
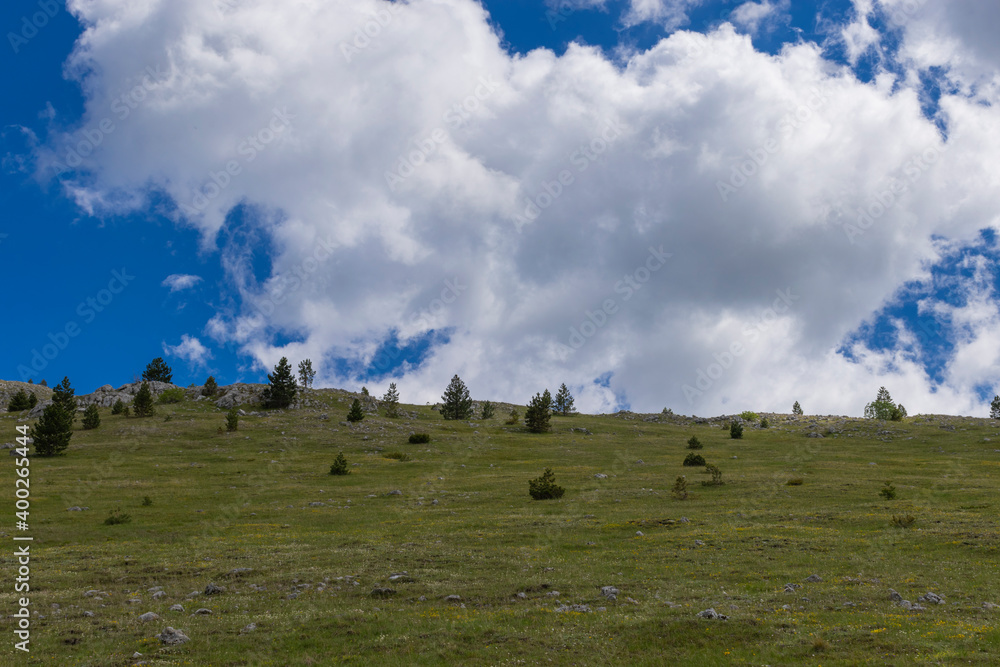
(343, 570)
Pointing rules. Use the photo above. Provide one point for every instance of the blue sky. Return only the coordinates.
(238, 195)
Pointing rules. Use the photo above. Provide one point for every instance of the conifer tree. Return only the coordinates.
(564, 401)
(281, 391)
(118, 407)
(355, 414)
(488, 410)
(19, 401)
(211, 387)
(796, 409)
(456, 399)
(52, 431)
(995, 408)
(537, 416)
(91, 417)
(142, 402)
(882, 407)
(32, 400)
(306, 373)
(62, 395)
(157, 371)
(391, 401)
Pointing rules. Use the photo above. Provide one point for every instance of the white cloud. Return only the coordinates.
(671, 14)
(180, 281)
(475, 135)
(190, 349)
(752, 16)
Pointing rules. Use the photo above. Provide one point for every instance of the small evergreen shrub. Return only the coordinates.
(716, 474)
(355, 414)
(91, 417)
(514, 418)
(545, 487)
(764, 423)
(488, 410)
(142, 402)
(127, 411)
(147, 501)
(232, 419)
(694, 460)
(174, 395)
(419, 438)
(795, 481)
(339, 466)
(694, 443)
(117, 516)
(398, 456)
(680, 490)
(888, 491)
(118, 407)
(168, 418)
(796, 409)
(19, 401)
(736, 431)
(903, 521)
(210, 388)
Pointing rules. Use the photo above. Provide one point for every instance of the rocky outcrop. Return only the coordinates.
(10, 387)
(105, 397)
(239, 394)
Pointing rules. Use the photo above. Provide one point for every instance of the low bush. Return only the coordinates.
(118, 407)
(232, 419)
(419, 438)
(764, 423)
(888, 491)
(147, 501)
(748, 416)
(694, 443)
(694, 460)
(903, 521)
(398, 456)
(716, 474)
(736, 430)
(795, 481)
(545, 487)
(175, 395)
(117, 516)
(680, 490)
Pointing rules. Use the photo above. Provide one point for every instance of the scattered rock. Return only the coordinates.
(212, 589)
(453, 598)
(989, 606)
(684, 519)
(380, 592)
(159, 594)
(610, 592)
(397, 492)
(791, 588)
(601, 475)
(894, 596)
(579, 608)
(239, 570)
(177, 607)
(814, 578)
(202, 612)
(699, 543)
(171, 636)
(149, 616)
(524, 596)
(711, 614)
(248, 628)
(401, 577)
(932, 598)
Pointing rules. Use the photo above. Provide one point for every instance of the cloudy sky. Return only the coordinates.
(705, 205)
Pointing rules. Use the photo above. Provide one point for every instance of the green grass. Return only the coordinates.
(244, 500)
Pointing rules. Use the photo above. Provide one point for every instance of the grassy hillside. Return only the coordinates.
(299, 552)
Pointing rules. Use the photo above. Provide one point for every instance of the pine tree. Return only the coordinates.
(537, 416)
(564, 401)
(306, 373)
(118, 407)
(91, 417)
(995, 408)
(364, 391)
(281, 391)
(157, 371)
(43, 383)
(545, 487)
(232, 419)
(882, 407)
(142, 402)
(32, 400)
(513, 418)
(211, 387)
(52, 431)
(62, 395)
(488, 410)
(391, 401)
(339, 466)
(457, 402)
(19, 401)
(355, 414)
(796, 409)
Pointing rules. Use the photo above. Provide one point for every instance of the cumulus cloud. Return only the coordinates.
(180, 281)
(404, 174)
(190, 349)
(753, 16)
